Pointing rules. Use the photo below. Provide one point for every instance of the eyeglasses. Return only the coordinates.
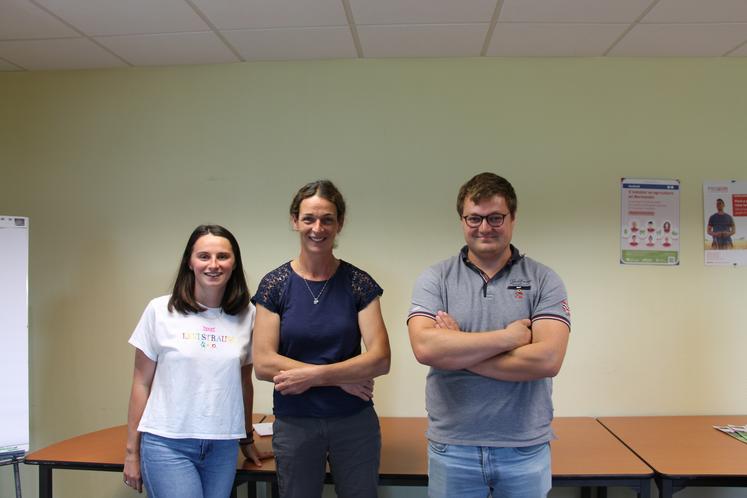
(495, 220)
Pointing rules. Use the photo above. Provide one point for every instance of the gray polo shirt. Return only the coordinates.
(469, 409)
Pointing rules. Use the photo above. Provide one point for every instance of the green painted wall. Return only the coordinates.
(115, 167)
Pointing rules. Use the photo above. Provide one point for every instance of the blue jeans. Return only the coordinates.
(187, 468)
(481, 471)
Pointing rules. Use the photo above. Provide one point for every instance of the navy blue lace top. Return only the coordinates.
(320, 334)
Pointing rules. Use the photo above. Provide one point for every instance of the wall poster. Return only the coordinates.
(725, 220)
(650, 222)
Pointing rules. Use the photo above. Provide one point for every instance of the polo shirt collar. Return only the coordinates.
(515, 257)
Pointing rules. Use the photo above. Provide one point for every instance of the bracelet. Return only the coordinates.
(246, 441)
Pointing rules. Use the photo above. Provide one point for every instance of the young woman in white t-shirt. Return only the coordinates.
(191, 400)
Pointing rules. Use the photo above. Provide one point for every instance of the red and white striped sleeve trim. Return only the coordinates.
(547, 316)
(426, 314)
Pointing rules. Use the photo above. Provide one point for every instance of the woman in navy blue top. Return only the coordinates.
(312, 314)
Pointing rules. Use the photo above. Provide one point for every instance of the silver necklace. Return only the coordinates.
(316, 298)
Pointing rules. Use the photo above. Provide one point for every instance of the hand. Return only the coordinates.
(445, 321)
(132, 477)
(251, 453)
(297, 380)
(520, 332)
(362, 390)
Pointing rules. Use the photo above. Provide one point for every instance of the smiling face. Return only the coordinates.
(487, 243)
(212, 262)
(317, 224)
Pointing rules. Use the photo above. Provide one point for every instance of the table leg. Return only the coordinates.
(666, 488)
(45, 481)
(251, 488)
(275, 492)
(645, 490)
(17, 479)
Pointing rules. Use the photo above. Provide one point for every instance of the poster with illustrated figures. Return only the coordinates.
(725, 222)
(650, 222)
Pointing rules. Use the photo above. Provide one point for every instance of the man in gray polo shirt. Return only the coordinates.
(493, 326)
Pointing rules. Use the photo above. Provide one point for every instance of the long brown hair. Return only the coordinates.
(235, 297)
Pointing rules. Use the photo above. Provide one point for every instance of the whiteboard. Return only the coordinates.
(14, 326)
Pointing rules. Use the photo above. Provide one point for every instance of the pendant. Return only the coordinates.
(316, 301)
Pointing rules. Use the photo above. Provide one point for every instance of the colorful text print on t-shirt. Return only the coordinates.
(208, 339)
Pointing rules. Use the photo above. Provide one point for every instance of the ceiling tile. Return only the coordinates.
(553, 40)
(292, 43)
(165, 32)
(740, 52)
(685, 40)
(68, 53)
(127, 17)
(694, 11)
(170, 49)
(246, 14)
(614, 11)
(21, 19)
(423, 40)
(7, 66)
(422, 11)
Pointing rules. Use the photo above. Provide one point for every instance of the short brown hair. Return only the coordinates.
(484, 186)
(324, 189)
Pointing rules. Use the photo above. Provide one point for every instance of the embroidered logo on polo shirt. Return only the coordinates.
(566, 308)
(519, 284)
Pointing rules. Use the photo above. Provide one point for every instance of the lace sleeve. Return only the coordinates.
(271, 288)
(365, 288)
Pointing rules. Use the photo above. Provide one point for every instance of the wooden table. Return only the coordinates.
(585, 455)
(102, 450)
(403, 455)
(685, 451)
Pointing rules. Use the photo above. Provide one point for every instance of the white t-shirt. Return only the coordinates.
(196, 391)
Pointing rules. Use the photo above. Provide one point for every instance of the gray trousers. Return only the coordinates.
(351, 445)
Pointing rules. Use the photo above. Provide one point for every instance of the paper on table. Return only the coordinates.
(263, 429)
(738, 432)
